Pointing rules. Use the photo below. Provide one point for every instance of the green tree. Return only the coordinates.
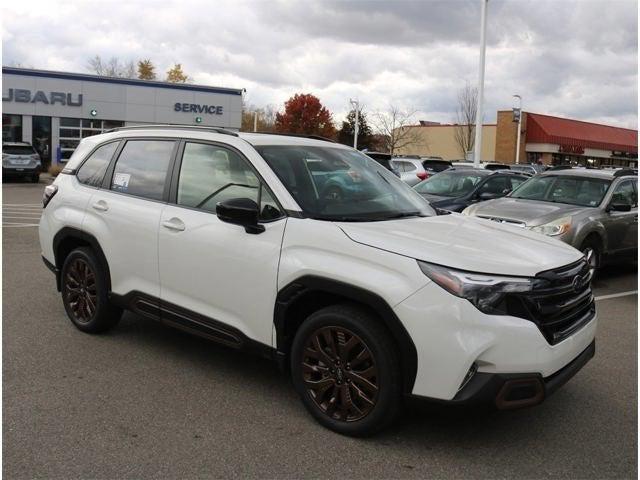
(346, 132)
(146, 70)
(303, 113)
(176, 75)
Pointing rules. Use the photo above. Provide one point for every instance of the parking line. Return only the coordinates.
(616, 295)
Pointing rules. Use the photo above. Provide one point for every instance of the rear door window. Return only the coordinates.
(141, 169)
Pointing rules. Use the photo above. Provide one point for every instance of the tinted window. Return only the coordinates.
(451, 184)
(517, 181)
(625, 194)
(210, 174)
(496, 185)
(92, 170)
(141, 168)
(18, 150)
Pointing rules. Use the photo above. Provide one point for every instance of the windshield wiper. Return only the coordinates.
(402, 215)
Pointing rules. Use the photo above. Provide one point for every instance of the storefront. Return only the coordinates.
(53, 111)
(562, 141)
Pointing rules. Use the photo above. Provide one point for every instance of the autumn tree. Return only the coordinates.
(176, 75)
(346, 132)
(303, 113)
(465, 119)
(396, 128)
(114, 67)
(146, 70)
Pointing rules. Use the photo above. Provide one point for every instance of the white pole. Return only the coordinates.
(356, 105)
(483, 46)
(519, 127)
(255, 121)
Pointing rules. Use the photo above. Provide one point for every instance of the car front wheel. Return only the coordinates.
(345, 368)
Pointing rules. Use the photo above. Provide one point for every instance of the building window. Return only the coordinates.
(72, 130)
(11, 128)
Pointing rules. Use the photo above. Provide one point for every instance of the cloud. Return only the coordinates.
(572, 58)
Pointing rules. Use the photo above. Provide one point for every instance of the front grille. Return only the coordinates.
(561, 305)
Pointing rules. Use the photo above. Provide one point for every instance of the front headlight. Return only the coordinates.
(557, 227)
(487, 292)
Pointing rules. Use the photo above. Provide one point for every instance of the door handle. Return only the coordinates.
(100, 206)
(174, 224)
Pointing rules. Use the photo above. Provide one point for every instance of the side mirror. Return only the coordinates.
(488, 196)
(240, 211)
(619, 207)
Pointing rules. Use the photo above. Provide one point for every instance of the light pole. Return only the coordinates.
(356, 105)
(519, 127)
(255, 121)
(483, 46)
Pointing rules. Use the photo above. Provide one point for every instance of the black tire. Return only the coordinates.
(35, 178)
(85, 292)
(374, 357)
(592, 244)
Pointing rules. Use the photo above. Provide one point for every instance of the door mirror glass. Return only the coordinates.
(240, 211)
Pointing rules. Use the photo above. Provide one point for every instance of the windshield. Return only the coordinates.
(450, 184)
(344, 185)
(583, 191)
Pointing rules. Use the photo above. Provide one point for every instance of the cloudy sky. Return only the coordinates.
(576, 59)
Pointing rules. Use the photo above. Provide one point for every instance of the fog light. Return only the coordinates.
(472, 371)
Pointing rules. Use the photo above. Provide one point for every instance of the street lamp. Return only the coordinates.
(483, 47)
(519, 113)
(356, 105)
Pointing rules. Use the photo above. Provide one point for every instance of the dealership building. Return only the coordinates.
(53, 111)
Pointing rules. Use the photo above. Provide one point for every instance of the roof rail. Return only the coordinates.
(625, 171)
(222, 131)
(560, 167)
(301, 135)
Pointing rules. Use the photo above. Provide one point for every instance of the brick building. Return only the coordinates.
(561, 141)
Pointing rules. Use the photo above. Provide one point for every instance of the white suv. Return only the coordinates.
(364, 297)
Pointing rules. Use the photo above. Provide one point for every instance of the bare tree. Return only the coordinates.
(266, 118)
(114, 67)
(396, 126)
(465, 118)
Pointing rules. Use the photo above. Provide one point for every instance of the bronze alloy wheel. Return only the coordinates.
(340, 374)
(80, 290)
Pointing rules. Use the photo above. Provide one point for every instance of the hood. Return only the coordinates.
(465, 243)
(531, 212)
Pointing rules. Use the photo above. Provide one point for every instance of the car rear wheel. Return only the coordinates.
(345, 368)
(85, 293)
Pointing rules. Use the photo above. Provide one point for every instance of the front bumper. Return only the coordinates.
(454, 339)
(514, 390)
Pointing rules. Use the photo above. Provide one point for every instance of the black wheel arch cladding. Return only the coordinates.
(305, 295)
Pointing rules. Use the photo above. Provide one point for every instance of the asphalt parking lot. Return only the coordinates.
(147, 401)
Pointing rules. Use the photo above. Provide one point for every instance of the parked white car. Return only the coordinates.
(363, 298)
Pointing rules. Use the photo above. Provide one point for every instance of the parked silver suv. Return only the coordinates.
(596, 211)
